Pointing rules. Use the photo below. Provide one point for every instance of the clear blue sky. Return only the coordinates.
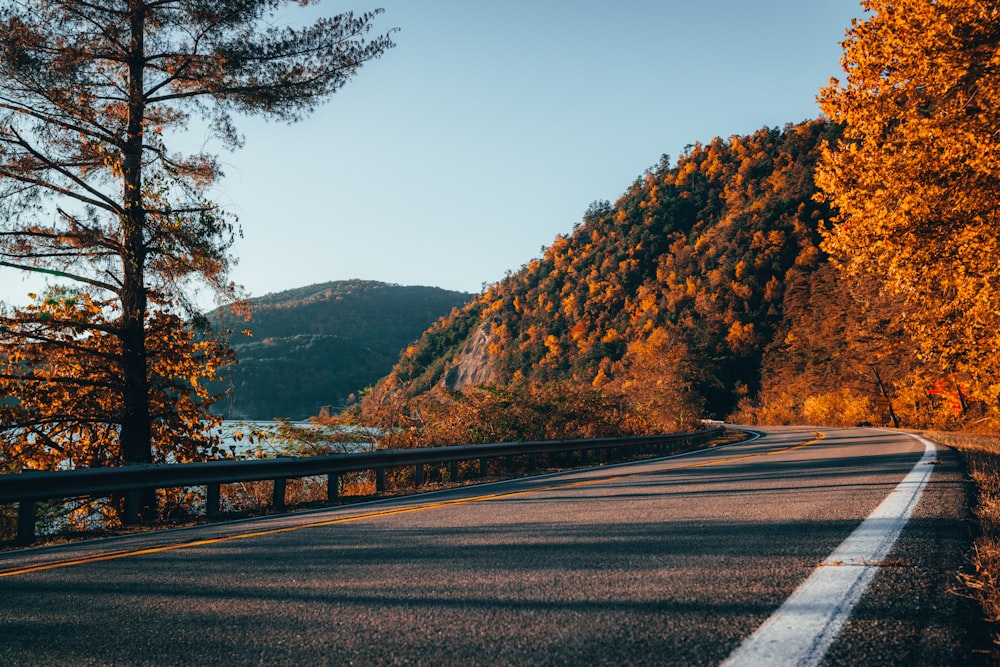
(492, 126)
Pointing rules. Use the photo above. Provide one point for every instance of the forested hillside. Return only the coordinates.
(706, 291)
(314, 346)
(678, 287)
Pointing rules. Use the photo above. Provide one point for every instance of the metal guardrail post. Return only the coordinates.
(454, 471)
(213, 500)
(279, 494)
(26, 522)
(131, 500)
(380, 479)
(484, 467)
(332, 486)
(418, 475)
(510, 464)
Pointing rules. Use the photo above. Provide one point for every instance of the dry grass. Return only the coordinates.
(982, 461)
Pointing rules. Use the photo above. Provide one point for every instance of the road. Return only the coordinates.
(670, 561)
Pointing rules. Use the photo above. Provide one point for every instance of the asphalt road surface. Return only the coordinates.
(670, 561)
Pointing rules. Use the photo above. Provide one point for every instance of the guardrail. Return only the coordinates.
(29, 487)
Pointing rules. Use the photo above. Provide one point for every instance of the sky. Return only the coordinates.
(491, 127)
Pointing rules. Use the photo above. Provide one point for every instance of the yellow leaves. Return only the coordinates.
(740, 290)
(773, 291)
(495, 307)
(809, 257)
(913, 179)
(741, 336)
(691, 286)
(601, 379)
(839, 408)
(611, 336)
(740, 270)
(552, 345)
(569, 305)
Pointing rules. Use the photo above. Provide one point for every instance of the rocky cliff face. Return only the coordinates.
(472, 366)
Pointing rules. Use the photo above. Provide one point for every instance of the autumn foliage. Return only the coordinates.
(63, 395)
(94, 194)
(665, 301)
(916, 183)
(707, 290)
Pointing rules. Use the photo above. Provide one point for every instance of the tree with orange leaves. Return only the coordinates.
(916, 176)
(63, 395)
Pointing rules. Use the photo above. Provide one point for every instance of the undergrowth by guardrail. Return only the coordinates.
(30, 487)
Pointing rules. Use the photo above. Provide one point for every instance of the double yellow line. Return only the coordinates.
(130, 553)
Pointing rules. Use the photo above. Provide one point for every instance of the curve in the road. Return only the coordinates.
(130, 553)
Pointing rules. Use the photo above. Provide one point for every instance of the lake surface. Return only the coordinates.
(261, 439)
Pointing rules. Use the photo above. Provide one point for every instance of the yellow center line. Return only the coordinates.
(130, 553)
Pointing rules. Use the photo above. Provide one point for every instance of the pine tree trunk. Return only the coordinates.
(136, 431)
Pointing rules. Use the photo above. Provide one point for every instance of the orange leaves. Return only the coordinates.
(65, 373)
(701, 250)
(915, 178)
(741, 336)
(552, 345)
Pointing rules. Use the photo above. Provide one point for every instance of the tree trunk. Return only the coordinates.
(136, 431)
(885, 393)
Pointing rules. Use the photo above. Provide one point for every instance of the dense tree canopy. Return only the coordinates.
(667, 298)
(704, 291)
(916, 176)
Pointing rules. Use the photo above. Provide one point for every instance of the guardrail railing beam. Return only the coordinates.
(29, 487)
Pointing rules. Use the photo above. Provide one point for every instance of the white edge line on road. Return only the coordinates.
(802, 630)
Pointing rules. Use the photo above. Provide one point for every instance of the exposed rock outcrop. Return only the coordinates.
(472, 366)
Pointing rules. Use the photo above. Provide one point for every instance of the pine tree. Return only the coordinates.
(90, 191)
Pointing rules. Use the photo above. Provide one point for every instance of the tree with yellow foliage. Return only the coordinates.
(916, 176)
(657, 378)
(62, 392)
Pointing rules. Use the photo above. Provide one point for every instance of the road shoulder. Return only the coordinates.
(913, 613)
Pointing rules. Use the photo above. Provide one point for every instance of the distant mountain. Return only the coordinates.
(314, 346)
